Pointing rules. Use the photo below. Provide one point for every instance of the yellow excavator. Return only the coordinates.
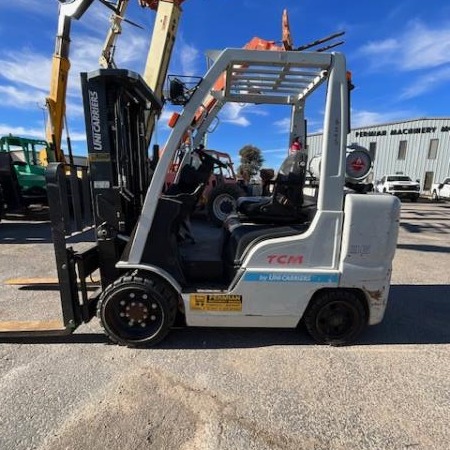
(56, 101)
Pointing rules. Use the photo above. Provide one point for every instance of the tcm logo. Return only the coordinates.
(285, 259)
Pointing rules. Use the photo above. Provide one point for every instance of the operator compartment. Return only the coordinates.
(173, 235)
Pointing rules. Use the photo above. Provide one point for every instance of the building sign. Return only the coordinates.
(401, 131)
(413, 130)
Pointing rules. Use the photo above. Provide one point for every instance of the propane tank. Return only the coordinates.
(358, 164)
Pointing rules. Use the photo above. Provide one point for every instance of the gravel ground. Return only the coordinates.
(234, 389)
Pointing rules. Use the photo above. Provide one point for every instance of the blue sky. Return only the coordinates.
(398, 52)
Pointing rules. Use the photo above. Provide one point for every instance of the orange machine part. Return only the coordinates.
(173, 119)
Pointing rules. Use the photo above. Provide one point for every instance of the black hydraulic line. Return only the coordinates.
(328, 47)
(320, 41)
(69, 142)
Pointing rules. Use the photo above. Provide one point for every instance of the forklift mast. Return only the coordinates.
(115, 103)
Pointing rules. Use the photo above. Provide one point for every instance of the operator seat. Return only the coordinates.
(264, 218)
(285, 203)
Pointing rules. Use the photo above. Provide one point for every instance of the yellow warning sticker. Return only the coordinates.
(215, 302)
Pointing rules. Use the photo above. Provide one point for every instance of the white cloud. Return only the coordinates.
(282, 125)
(21, 98)
(381, 47)
(426, 83)
(234, 113)
(188, 56)
(33, 99)
(418, 47)
(362, 118)
(37, 6)
(25, 67)
(37, 133)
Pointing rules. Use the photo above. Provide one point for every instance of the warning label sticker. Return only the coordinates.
(215, 302)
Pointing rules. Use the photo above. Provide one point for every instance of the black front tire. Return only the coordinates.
(222, 202)
(335, 317)
(137, 311)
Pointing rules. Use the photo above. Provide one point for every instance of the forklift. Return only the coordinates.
(324, 261)
(280, 260)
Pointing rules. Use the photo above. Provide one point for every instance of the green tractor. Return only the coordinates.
(22, 173)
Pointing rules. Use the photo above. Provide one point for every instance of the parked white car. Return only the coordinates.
(399, 185)
(441, 190)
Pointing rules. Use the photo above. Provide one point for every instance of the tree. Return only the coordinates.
(251, 161)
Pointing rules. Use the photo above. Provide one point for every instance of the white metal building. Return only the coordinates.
(419, 148)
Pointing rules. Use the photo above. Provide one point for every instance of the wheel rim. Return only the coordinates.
(223, 206)
(133, 314)
(337, 320)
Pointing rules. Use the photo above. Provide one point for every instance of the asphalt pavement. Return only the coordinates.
(233, 389)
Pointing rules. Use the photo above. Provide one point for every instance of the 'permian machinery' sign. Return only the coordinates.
(401, 131)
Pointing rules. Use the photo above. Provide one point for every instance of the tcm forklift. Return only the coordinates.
(279, 260)
(324, 261)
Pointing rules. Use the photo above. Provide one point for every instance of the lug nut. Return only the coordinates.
(152, 317)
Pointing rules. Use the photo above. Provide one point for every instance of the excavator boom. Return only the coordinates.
(163, 39)
(106, 59)
(56, 101)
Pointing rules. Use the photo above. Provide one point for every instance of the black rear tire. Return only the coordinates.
(335, 317)
(222, 202)
(137, 311)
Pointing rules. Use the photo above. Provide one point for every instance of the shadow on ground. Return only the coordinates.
(416, 314)
(424, 248)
